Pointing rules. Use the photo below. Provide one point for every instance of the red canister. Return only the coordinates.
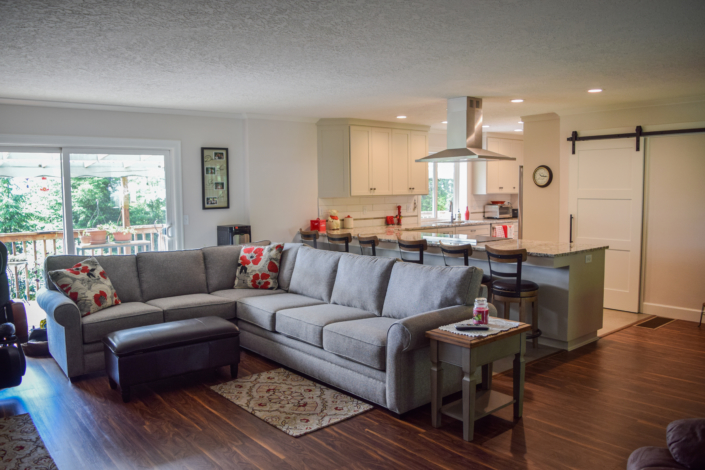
(315, 224)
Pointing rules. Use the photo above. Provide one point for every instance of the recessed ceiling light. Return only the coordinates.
(485, 126)
(517, 130)
(521, 122)
(595, 90)
(401, 117)
(444, 122)
(518, 101)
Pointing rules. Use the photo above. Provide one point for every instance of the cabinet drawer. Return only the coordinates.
(473, 230)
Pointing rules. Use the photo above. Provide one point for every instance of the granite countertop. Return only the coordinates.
(466, 223)
(542, 249)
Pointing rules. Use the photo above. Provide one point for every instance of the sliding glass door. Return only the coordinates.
(122, 193)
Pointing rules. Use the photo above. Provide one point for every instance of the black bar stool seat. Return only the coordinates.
(370, 241)
(309, 236)
(418, 246)
(508, 288)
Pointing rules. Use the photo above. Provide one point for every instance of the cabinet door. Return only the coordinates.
(360, 142)
(473, 230)
(418, 171)
(381, 161)
(400, 162)
(493, 168)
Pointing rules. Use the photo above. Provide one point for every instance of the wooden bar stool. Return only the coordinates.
(464, 251)
(310, 236)
(416, 246)
(371, 241)
(518, 291)
(341, 239)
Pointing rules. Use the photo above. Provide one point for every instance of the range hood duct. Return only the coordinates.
(465, 134)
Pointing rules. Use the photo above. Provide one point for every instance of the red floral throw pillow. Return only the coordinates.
(87, 285)
(258, 267)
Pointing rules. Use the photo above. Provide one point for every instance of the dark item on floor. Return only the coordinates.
(144, 354)
(702, 312)
(38, 334)
(686, 448)
(656, 322)
(36, 348)
(12, 361)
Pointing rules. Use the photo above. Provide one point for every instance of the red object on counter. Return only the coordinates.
(390, 220)
(467, 213)
(315, 224)
(398, 215)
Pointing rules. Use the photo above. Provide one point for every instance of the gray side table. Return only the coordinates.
(469, 353)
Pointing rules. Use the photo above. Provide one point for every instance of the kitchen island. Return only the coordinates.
(570, 276)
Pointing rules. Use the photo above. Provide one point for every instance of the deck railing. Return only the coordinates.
(27, 251)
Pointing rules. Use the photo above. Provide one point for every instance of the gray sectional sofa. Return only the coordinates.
(355, 322)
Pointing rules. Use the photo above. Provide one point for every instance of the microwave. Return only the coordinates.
(498, 211)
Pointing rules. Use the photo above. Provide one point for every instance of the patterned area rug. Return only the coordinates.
(291, 403)
(21, 448)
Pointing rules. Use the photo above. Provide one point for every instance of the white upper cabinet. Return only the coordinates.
(371, 160)
(409, 176)
(499, 177)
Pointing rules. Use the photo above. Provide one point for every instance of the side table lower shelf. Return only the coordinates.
(486, 402)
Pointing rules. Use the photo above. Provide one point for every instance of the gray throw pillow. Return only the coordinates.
(362, 282)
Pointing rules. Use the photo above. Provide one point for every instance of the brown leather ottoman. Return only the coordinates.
(139, 355)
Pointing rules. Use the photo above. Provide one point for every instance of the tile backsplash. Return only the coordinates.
(370, 211)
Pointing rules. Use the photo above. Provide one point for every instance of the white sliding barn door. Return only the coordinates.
(606, 200)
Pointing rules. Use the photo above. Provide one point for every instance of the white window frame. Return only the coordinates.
(456, 198)
(66, 145)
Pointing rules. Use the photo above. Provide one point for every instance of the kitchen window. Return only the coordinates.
(443, 185)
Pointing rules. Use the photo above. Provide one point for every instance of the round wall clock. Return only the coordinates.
(543, 176)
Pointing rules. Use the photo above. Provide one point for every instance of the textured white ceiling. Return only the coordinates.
(353, 58)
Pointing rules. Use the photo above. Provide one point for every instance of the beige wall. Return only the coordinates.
(283, 176)
(541, 214)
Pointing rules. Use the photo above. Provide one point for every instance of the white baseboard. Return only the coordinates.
(669, 311)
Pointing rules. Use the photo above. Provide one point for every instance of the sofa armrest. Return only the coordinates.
(62, 309)
(410, 332)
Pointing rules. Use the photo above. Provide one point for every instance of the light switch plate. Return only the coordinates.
(588, 258)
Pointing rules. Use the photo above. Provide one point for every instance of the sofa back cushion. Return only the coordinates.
(286, 266)
(314, 273)
(361, 282)
(121, 269)
(171, 273)
(221, 266)
(415, 289)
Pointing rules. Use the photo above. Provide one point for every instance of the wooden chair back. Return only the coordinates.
(418, 246)
(370, 241)
(506, 256)
(310, 236)
(341, 239)
(455, 251)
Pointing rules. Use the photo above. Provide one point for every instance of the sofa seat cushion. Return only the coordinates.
(361, 282)
(183, 307)
(119, 317)
(261, 310)
(363, 341)
(307, 323)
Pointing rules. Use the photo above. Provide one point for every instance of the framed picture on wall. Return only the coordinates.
(215, 178)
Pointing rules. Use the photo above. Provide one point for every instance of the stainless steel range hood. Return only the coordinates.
(465, 134)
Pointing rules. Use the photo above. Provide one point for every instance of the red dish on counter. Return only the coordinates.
(497, 202)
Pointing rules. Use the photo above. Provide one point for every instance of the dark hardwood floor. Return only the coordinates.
(586, 409)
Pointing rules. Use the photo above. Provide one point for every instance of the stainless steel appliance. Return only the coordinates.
(498, 211)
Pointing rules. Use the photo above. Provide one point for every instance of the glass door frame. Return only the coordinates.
(171, 149)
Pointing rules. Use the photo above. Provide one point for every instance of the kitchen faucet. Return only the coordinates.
(452, 216)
